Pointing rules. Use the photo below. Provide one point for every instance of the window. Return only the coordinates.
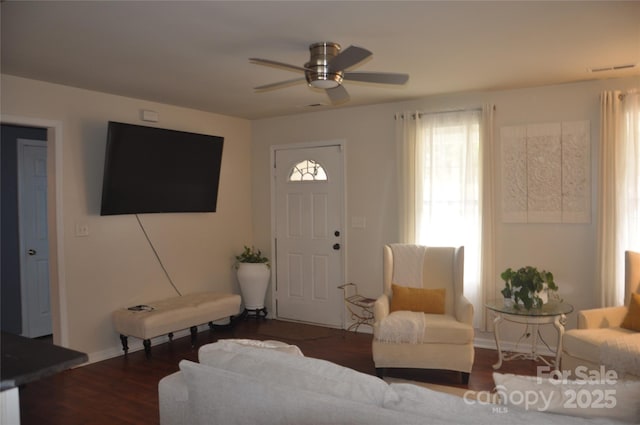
(440, 192)
(449, 211)
(307, 170)
(450, 182)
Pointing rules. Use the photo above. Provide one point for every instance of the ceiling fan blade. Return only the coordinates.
(349, 57)
(279, 85)
(377, 77)
(268, 62)
(337, 94)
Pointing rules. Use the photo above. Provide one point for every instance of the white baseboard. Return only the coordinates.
(135, 344)
(523, 347)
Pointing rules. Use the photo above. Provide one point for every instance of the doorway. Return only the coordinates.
(309, 237)
(52, 131)
(34, 243)
(13, 264)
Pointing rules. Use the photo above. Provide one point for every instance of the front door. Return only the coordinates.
(309, 234)
(34, 245)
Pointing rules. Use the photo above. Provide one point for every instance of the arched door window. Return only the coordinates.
(307, 170)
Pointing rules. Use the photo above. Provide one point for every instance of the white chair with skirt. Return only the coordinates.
(423, 320)
(608, 336)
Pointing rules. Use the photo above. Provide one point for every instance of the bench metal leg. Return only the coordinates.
(194, 335)
(147, 346)
(232, 322)
(125, 345)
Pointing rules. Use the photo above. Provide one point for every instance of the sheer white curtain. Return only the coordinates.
(488, 278)
(441, 164)
(408, 169)
(618, 190)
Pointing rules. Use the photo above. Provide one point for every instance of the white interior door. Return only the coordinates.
(309, 215)
(34, 245)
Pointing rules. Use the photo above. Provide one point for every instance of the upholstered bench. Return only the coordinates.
(169, 315)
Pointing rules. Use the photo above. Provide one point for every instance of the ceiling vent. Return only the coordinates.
(613, 67)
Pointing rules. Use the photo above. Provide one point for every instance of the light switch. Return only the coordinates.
(359, 222)
(82, 230)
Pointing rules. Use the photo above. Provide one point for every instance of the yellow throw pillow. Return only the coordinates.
(632, 319)
(418, 299)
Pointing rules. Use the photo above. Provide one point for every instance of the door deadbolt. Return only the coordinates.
(31, 252)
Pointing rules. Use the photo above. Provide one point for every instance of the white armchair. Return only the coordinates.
(599, 330)
(444, 341)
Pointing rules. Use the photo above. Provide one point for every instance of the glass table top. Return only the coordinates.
(552, 308)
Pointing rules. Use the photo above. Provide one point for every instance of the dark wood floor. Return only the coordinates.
(124, 390)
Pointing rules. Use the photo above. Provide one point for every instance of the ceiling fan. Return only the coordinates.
(327, 69)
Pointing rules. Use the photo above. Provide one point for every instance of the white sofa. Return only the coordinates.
(240, 383)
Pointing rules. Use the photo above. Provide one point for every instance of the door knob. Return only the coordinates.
(336, 246)
(31, 252)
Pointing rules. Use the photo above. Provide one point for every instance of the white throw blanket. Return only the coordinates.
(622, 354)
(408, 262)
(402, 327)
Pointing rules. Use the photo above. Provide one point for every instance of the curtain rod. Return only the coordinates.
(421, 113)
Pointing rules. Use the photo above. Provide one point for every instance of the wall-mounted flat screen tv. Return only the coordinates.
(154, 170)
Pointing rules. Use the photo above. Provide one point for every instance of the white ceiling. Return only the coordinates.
(195, 54)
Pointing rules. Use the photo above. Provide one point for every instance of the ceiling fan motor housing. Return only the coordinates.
(318, 73)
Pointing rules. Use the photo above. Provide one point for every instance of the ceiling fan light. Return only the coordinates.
(324, 84)
(322, 79)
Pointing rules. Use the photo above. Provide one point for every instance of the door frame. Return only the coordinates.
(25, 301)
(55, 221)
(343, 214)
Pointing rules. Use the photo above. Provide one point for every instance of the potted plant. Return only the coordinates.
(526, 285)
(507, 293)
(253, 271)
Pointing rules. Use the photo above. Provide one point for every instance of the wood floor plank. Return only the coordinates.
(124, 390)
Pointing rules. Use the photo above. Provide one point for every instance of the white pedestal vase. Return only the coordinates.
(253, 279)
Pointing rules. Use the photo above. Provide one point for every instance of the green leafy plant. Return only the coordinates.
(251, 255)
(525, 284)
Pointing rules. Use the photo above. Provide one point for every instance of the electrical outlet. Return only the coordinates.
(358, 222)
(82, 229)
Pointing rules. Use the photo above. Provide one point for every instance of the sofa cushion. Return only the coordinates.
(294, 371)
(411, 327)
(585, 343)
(445, 329)
(632, 319)
(218, 396)
(622, 354)
(173, 399)
(477, 408)
(230, 343)
(422, 300)
(596, 397)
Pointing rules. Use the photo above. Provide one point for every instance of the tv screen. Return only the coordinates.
(153, 170)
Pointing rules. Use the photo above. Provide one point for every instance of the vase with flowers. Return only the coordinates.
(253, 270)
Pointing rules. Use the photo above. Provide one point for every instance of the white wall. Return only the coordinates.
(114, 266)
(568, 250)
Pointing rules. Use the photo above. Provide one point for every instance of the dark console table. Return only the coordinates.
(26, 360)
